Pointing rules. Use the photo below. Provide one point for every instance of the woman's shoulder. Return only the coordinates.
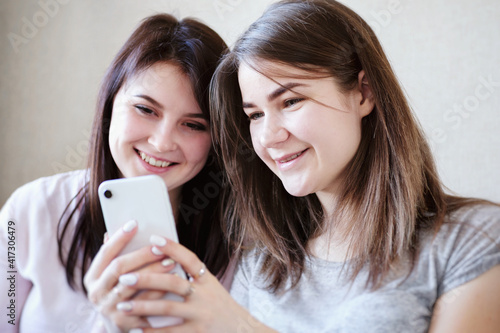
(52, 185)
(52, 190)
(473, 219)
(250, 258)
(467, 244)
(35, 209)
(247, 272)
(475, 225)
(253, 254)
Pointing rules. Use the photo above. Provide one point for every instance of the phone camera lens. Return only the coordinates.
(108, 194)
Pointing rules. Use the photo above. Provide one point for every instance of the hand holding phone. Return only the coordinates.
(144, 199)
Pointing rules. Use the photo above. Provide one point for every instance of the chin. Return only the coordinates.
(296, 192)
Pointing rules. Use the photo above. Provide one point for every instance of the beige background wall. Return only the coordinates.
(53, 54)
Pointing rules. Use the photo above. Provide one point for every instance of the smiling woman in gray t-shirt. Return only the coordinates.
(336, 199)
(324, 300)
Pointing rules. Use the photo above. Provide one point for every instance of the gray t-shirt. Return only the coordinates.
(324, 301)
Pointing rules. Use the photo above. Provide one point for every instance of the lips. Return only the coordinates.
(290, 157)
(154, 161)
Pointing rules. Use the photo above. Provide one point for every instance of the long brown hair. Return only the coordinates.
(196, 50)
(391, 189)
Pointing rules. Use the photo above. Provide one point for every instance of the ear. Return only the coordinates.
(367, 101)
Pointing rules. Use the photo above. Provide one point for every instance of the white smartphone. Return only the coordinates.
(144, 199)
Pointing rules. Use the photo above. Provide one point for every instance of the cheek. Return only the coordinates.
(127, 127)
(254, 134)
(114, 134)
(198, 148)
(346, 139)
(118, 125)
(263, 154)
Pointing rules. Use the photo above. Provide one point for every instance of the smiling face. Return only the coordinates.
(307, 136)
(157, 127)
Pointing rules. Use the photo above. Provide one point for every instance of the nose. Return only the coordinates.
(163, 137)
(273, 132)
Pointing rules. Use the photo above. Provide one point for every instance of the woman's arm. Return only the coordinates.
(472, 307)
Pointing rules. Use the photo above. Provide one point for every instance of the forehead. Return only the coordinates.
(158, 74)
(256, 78)
(279, 70)
(165, 83)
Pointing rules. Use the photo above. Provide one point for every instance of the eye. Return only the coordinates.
(292, 101)
(195, 126)
(143, 109)
(255, 115)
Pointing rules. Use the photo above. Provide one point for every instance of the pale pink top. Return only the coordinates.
(42, 298)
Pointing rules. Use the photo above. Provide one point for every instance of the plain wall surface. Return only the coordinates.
(54, 54)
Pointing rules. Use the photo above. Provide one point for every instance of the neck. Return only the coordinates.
(328, 202)
(331, 244)
(328, 247)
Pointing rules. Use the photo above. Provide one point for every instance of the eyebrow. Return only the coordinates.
(197, 115)
(276, 93)
(156, 104)
(151, 100)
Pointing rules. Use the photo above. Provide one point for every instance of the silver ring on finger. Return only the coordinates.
(201, 272)
(190, 291)
(116, 291)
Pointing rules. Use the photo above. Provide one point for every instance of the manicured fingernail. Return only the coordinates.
(124, 306)
(167, 262)
(130, 225)
(157, 240)
(156, 251)
(128, 279)
(136, 330)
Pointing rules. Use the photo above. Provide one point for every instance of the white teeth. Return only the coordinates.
(291, 158)
(145, 157)
(152, 161)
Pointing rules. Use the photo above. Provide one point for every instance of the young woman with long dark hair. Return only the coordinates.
(152, 118)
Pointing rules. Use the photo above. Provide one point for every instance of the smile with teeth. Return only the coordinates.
(152, 161)
(291, 157)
